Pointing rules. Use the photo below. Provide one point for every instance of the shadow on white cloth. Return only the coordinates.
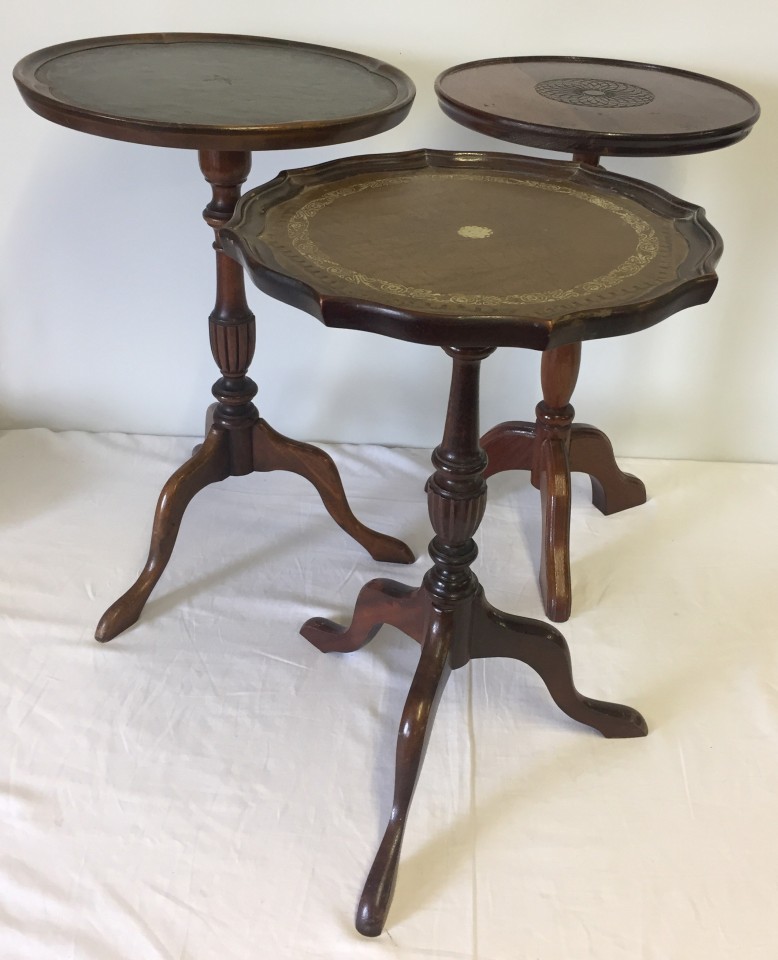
(209, 786)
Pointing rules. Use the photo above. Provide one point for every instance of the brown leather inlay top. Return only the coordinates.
(462, 241)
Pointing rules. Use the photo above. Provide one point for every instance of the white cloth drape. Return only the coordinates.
(208, 786)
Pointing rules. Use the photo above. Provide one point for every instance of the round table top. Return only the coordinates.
(474, 249)
(597, 107)
(214, 91)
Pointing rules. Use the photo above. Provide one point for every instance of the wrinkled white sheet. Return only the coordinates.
(208, 786)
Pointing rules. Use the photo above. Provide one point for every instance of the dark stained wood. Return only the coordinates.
(595, 106)
(209, 464)
(273, 451)
(612, 490)
(420, 245)
(223, 95)
(371, 243)
(551, 448)
(379, 602)
(454, 623)
(589, 107)
(473, 249)
(214, 91)
(238, 441)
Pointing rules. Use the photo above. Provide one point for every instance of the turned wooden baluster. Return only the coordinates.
(237, 440)
(454, 623)
(456, 497)
(226, 449)
(231, 324)
(552, 448)
(551, 475)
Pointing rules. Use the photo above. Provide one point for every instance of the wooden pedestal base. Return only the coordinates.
(237, 441)
(221, 455)
(452, 621)
(551, 449)
(451, 636)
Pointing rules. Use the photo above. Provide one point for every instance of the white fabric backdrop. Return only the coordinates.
(208, 786)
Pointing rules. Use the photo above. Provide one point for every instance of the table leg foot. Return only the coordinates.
(555, 583)
(273, 451)
(209, 464)
(415, 727)
(518, 445)
(542, 647)
(380, 601)
(612, 489)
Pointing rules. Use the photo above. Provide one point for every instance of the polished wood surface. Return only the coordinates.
(589, 107)
(552, 448)
(238, 441)
(419, 245)
(223, 95)
(214, 91)
(596, 106)
(454, 623)
(372, 243)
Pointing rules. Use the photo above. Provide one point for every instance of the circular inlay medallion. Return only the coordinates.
(475, 233)
(590, 92)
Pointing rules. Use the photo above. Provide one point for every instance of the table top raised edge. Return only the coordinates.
(570, 140)
(419, 326)
(211, 137)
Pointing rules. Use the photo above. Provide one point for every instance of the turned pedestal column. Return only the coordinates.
(552, 448)
(417, 270)
(454, 623)
(223, 95)
(590, 107)
(237, 441)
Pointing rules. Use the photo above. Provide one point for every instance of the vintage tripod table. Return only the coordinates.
(590, 108)
(223, 96)
(468, 252)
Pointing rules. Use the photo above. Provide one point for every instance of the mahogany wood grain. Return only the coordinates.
(428, 264)
(454, 623)
(590, 107)
(596, 107)
(552, 448)
(222, 95)
(238, 441)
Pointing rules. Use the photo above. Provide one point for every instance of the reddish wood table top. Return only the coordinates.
(596, 106)
(488, 249)
(214, 91)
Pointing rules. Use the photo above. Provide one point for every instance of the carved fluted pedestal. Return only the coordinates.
(237, 441)
(469, 252)
(160, 89)
(454, 623)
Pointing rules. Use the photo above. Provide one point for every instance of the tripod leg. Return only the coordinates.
(554, 484)
(379, 602)
(509, 446)
(415, 727)
(210, 463)
(273, 451)
(542, 647)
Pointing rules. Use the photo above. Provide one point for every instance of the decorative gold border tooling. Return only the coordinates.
(646, 250)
